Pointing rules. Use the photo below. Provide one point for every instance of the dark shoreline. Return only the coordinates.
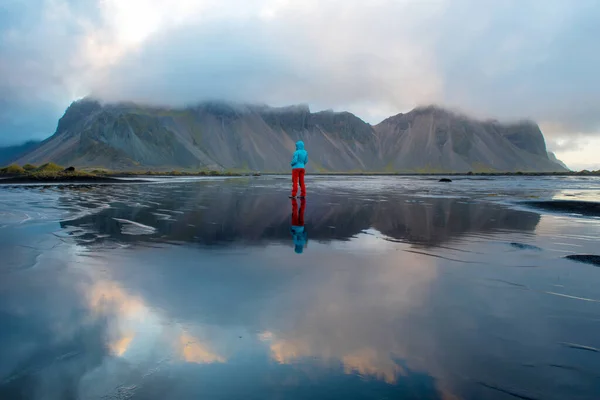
(126, 174)
(113, 178)
(65, 179)
(466, 174)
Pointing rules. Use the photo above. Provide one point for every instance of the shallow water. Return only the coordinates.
(192, 288)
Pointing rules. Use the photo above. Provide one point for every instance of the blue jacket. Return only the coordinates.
(300, 158)
(300, 238)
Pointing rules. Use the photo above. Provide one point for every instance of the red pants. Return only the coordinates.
(298, 175)
(298, 215)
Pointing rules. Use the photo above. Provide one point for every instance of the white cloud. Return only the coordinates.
(580, 153)
(507, 60)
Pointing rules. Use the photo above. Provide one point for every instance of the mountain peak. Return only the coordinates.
(294, 109)
(438, 139)
(77, 111)
(432, 108)
(224, 135)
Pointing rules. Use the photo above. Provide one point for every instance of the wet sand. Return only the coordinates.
(405, 288)
(569, 206)
(76, 179)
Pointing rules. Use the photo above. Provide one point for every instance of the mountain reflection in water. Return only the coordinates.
(187, 290)
(226, 216)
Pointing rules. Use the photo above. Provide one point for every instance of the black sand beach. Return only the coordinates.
(406, 288)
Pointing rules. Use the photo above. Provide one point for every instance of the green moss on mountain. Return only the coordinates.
(50, 167)
(57, 175)
(12, 169)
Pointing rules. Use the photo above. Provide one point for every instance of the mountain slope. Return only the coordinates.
(214, 135)
(553, 158)
(10, 153)
(431, 139)
(253, 137)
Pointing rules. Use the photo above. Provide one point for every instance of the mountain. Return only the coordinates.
(432, 139)
(256, 137)
(9, 154)
(553, 158)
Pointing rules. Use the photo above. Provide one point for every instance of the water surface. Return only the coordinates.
(193, 288)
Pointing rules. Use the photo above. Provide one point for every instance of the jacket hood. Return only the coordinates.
(299, 145)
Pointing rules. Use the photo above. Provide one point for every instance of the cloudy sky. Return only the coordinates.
(508, 59)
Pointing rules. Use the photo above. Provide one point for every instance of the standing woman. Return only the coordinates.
(299, 161)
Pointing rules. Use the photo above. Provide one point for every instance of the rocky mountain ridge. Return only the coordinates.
(11, 153)
(220, 135)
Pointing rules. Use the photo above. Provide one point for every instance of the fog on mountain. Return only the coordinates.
(220, 135)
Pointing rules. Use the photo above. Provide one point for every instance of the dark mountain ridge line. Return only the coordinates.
(456, 113)
(229, 136)
(10, 153)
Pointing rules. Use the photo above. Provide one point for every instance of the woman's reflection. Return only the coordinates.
(297, 229)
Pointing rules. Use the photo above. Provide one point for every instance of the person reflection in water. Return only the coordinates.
(297, 229)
